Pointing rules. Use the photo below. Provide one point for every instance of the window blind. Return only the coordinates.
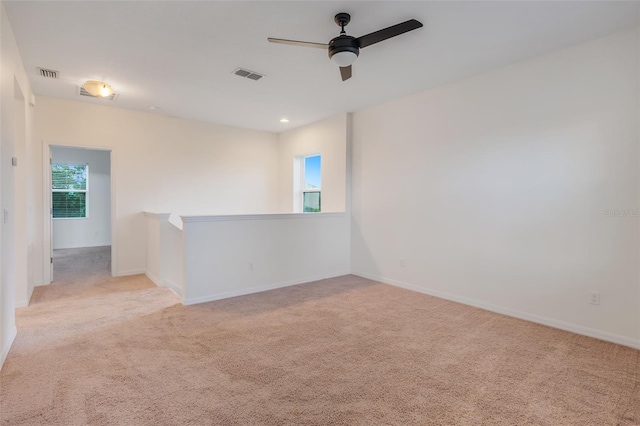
(69, 190)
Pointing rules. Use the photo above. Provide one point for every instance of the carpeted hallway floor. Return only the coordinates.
(96, 350)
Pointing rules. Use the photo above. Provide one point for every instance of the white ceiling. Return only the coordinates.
(179, 56)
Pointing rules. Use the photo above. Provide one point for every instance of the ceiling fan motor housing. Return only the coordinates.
(343, 43)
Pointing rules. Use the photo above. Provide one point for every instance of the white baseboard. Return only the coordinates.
(6, 346)
(25, 303)
(131, 272)
(160, 283)
(574, 328)
(155, 280)
(89, 245)
(259, 289)
(174, 287)
(22, 303)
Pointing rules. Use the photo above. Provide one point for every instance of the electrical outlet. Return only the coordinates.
(250, 267)
(5, 215)
(594, 297)
(403, 263)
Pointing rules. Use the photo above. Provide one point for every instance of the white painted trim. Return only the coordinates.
(132, 272)
(259, 289)
(161, 216)
(167, 284)
(6, 346)
(25, 303)
(46, 214)
(177, 227)
(114, 211)
(174, 287)
(189, 219)
(155, 280)
(550, 322)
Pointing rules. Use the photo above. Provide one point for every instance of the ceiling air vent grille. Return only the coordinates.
(48, 73)
(251, 75)
(111, 97)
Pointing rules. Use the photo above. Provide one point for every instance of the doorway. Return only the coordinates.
(80, 199)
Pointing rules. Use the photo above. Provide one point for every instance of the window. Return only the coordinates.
(311, 192)
(69, 184)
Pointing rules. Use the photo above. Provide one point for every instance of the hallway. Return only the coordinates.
(84, 272)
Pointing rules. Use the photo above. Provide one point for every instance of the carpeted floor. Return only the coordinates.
(85, 272)
(96, 350)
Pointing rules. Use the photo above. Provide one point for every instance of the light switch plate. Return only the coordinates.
(14, 161)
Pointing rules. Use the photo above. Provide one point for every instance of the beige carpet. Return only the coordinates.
(98, 351)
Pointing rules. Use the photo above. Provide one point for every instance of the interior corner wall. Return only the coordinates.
(15, 139)
(164, 164)
(327, 138)
(516, 190)
(95, 229)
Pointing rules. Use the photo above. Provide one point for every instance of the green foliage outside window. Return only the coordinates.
(69, 190)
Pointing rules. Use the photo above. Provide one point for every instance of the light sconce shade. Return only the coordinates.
(98, 89)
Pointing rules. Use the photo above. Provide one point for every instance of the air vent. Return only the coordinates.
(251, 75)
(83, 92)
(48, 73)
(242, 73)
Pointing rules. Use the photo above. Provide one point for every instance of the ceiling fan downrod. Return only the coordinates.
(342, 19)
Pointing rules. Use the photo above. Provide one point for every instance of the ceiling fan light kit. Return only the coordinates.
(345, 49)
(344, 59)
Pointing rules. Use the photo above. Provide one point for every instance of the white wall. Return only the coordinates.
(165, 252)
(95, 229)
(493, 190)
(154, 245)
(162, 163)
(16, 123)
(227, 256)
(172, 256)
(327, 138)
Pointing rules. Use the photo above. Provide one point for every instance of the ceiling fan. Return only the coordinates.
(344, 49)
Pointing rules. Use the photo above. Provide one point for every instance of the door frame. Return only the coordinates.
(47, 235)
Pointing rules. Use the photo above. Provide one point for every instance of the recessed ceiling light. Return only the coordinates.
(284, 120)
(153, 108)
